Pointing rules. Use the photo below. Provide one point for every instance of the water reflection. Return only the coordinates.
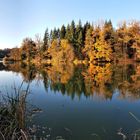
(101, 79)
(97, 79)
(82, 87)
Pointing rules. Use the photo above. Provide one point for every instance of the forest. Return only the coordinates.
(78, 43)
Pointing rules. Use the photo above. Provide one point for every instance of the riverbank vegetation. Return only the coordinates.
(88, 43)
(16, 115)
(12, 114)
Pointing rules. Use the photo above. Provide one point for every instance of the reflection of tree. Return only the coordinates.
(74, 84)
(98, 79)
(2, 67)
(134, 87)
(28, 72)
(60, 73)
(59, 76)
(126, 79)
(45, 79)
(93, 79)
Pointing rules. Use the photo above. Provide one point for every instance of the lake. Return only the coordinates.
(94, 102)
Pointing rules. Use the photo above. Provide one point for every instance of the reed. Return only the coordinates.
(12, 115)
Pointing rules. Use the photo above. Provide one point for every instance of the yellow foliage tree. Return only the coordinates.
(61, 52)
(96, 47)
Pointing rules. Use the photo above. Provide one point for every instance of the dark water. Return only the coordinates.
(78, 102)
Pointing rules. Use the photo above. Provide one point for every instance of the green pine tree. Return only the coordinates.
(62, 32)
(45, 40)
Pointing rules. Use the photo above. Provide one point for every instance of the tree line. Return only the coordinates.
(85, 43)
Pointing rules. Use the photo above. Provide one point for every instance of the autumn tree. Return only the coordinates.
(97, 47)
(101, 50)
(15, 54)
(68, 51)
(128, 35)
(28, 49)
(134, 32)
(88, 44)
(108, 34)
(122, 41)
(61, 52)
(40, 47)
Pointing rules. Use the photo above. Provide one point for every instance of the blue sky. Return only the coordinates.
(25, 18)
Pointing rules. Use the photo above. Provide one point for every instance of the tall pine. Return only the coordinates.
(63, 32)
(46, 40)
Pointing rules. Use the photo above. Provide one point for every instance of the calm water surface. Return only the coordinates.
(79, 103)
